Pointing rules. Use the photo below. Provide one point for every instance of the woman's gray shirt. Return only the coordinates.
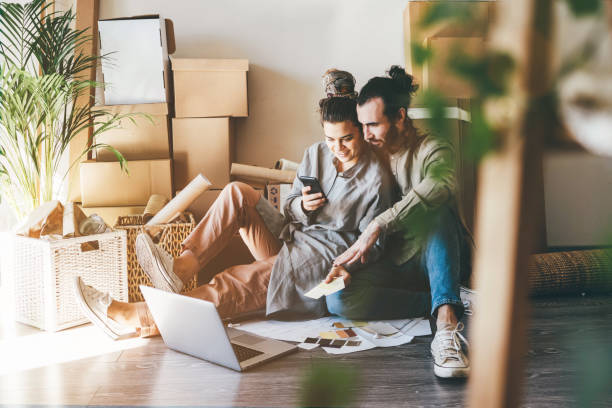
(313, 240)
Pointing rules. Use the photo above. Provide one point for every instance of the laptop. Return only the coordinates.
(193, 326)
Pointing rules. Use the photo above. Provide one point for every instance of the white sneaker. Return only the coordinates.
(95, 306)
(157, 264)
(448, 354)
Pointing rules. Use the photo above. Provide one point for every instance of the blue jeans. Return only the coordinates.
(383, 290)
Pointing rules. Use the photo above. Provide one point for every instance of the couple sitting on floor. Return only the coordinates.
(383, 181)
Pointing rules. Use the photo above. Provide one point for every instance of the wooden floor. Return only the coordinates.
(566, 335)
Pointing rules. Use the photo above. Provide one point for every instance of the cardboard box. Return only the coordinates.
(235, 253)
(110, 214)
(103, 184)
(144, 136)
(277, 195)
(201, 205)
(441, 39)
(210, 87)
(202, 145)
(137, 68)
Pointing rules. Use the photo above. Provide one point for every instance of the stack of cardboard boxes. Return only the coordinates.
(166, 145)
(136, 71)
(207, 94)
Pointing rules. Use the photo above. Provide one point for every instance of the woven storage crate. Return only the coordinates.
(172, 237)
(42, 275)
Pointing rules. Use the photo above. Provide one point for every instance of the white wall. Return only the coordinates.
(578, 196)
(290, 44)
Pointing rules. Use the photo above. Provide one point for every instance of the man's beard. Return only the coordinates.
(393, 138)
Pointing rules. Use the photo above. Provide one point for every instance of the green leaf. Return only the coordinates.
(489, 73)
(481, 139)
(582, 8)
(435, 102)
(441, 11)
(420, 53)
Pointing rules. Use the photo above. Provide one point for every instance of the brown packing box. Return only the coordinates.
(146, 138)
(210, 87)
(202, 145)
(441, 39)
(201, 205)
(110, 214)
(235, 253)
(277, 194)
(103, 184)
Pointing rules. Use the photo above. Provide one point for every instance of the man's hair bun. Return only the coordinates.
(403, 81)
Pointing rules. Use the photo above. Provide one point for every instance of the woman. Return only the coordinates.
(292, 253)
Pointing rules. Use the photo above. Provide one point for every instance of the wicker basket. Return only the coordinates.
(42, 275)
(172, 237)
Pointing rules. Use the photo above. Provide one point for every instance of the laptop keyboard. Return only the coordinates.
(244, 353)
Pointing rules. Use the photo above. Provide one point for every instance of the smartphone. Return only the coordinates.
(313, 183)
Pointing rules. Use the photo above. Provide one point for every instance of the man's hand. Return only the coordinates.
(359, 250)
(312, 202)
(338, 272)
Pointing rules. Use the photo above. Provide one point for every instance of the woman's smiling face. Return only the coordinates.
(344, 140)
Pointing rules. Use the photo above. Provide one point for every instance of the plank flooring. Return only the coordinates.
(569, 355)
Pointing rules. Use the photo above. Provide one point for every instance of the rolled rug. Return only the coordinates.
(571, 272)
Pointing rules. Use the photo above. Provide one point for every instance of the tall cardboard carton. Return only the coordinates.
(442, 39)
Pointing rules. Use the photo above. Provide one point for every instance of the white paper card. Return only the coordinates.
(324, 289)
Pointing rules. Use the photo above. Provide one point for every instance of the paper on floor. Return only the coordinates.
(308, 346)
(365, 345)
(397, 339)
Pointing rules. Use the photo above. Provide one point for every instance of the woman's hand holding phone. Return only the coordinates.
(312, 202)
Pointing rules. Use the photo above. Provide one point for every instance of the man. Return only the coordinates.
(425, 237)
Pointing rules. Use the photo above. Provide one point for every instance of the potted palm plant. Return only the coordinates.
(41, 77)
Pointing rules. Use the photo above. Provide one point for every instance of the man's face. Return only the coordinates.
(377, 129)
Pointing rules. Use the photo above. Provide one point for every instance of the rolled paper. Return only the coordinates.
(262, 174)
(284, 164)
(154, 205)
(182, 200)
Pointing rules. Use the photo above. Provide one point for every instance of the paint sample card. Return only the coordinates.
(324, 289)
(338, 334)
(328, 335)
(348, 324)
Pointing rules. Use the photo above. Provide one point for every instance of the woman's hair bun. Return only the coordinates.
(403, 80)
(338, 83)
